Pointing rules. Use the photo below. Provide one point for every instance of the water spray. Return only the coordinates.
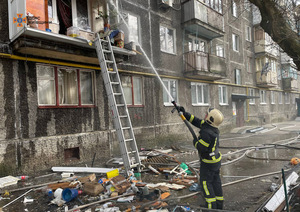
(176, 107)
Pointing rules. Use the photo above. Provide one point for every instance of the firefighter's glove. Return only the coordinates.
(181, 109)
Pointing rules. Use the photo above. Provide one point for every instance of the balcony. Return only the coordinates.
(290, 84)
(33, 31)
(266, 80)
(197, 66)
(199, 19)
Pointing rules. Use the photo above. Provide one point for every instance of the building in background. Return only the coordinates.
(54, 109)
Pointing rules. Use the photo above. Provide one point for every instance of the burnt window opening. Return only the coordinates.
(72, 154)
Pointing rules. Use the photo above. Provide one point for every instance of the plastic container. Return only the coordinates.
(70, 194)
(58, 193)
(73, 31)
(112, 173)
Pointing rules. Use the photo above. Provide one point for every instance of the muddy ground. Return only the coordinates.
(246, 196)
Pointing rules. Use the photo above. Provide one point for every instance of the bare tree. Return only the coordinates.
(279, 19)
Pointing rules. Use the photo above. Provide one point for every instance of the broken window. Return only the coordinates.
(58, 86)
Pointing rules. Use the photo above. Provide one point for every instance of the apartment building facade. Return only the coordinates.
(208, 53)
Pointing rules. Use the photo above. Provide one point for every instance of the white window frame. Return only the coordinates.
(287, 99)
(248, 34)
(234, 8)
(167, 83)
(280, 98)
(166, 39)
(251, 93)
(54, 12)
(223, 95)
(262, 95)
(272, 95)
(238, 76)
(202, 47)
(220, 50)
(235, 42)
(199, 87)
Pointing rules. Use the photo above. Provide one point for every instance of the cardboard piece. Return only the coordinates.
(93, 188)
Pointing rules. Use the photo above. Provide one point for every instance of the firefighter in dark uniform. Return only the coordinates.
(210, 157)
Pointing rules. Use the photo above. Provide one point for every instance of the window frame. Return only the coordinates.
(262, 95)
(56, 92)
(220, 48)
(252, 93)
(133, 104)
(127, 14)
(165, 39)
(200, 103)
(235, 42)
(238, 76)
(280, 99)
(287, 98)
(169, 102)
(272, 96)
(248, 34)
(234, 11)
(221, 88)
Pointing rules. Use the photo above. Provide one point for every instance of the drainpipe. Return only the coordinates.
(247, 92)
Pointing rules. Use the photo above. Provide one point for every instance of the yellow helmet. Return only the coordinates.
(214, 117)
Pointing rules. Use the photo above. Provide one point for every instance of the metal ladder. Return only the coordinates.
(117, 104)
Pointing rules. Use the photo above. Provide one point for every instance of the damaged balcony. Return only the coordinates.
(267, 80)
(201, 65)
(289, 84)
(203, 20)
(38, 28)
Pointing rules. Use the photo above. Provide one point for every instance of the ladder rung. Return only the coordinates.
(120, 105)
(115, 83)
(126, 128)
(131, 152)
(104, 41)
(109, 61)
(124, 116)
(128, 139)
(106, 51)
(112, 72)
(117, 94)
(134, 165)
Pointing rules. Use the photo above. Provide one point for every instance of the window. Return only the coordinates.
(214, 4)
(249, 66)
(223, 98)
(262, 97)
(64, 86)
(234, 8)
(133, 24)
(235, 42)
(259, 34)
(280, 98)
(272, 97)
(200, 93)
(171, 86)
(252, 93)
(167, 40)
(238, 77)
(248, 33)
(220, 50)
(195, 44)
(75, 13)
(133, 90)
(287, 98)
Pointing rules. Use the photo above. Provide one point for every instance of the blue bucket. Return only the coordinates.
(69, 194)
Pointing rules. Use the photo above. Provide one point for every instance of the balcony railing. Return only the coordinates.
(266, 80)
(290, 84)
(197, 65)
(196, 60)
